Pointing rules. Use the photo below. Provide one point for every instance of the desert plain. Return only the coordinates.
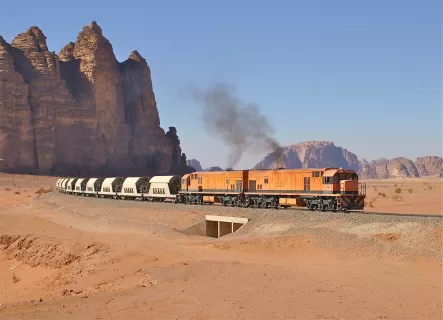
(71, 257)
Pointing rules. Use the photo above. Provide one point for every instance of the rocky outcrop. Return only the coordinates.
(80, 112)
(194, 163)
(213, 169)
(312, 154)
(429, 166)
(318, 154)
(383, 168)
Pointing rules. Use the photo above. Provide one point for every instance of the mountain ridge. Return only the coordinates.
(320, 154)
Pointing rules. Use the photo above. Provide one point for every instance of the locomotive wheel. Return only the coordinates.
(325, 208)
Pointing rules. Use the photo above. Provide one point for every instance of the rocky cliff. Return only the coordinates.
(80, 112)
(318, 154)
(194, 163)
(312, 154)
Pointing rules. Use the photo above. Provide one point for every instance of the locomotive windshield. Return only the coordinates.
(339, 177)
(345, 176)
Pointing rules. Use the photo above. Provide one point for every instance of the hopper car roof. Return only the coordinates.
(161, 179)
(91, 181)
(130, 180)
(79, 181)
(108, 180)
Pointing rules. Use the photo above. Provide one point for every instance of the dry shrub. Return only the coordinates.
(370, 204)
(16, 192)
(397, 190)
(382, 194)
(7, 189)
(43, 191)
(395, 185)
(15, 279)
(410, 190)
(397, 197)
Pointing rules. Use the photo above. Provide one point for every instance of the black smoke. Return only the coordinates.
(239, 124)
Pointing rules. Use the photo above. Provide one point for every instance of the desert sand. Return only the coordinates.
(405, 195)
(69, 257)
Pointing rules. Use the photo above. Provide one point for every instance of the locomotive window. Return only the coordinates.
(183, 181)
(266, 181)
(200, 180)
(316, 174)
(227, 181)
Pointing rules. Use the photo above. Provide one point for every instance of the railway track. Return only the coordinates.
(295, 209)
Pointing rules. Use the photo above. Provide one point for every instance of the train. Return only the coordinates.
(326, 189)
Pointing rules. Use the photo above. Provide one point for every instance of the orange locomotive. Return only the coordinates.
(326, 189)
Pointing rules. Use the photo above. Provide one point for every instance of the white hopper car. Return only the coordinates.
(157, 188)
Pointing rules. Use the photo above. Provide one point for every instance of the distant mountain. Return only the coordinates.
(312, 154)
(212, 169)
(194, 163)
(320, 154)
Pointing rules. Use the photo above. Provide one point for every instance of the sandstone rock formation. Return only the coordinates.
(312, 154)
(318, 154)
(80, 112)
(213, 169)
(195, 164)
(429, 166)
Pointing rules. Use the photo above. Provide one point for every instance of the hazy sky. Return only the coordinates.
(364, 74)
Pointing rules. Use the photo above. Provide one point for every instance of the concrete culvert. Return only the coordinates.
(216, 226)
(219, 226)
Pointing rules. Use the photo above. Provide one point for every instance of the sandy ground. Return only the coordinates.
(68, 257)
(409, 195)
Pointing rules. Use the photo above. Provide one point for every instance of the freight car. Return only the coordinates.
(134, 188)
(162, 188)
(158, 188)
(327, 189)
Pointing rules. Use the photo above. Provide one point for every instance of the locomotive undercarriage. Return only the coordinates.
(260, 201)
(323, 204)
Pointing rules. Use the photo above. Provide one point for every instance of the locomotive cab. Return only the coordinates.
(340, 181)
(185, 182)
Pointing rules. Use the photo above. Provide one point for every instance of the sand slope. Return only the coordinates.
(66, 257)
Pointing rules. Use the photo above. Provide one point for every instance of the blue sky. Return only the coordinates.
(364, 74)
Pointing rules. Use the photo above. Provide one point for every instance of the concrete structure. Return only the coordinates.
(219, 226)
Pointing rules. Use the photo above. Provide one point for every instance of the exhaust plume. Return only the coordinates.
(239, 124)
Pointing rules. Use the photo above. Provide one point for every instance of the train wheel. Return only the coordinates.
(325, 208)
